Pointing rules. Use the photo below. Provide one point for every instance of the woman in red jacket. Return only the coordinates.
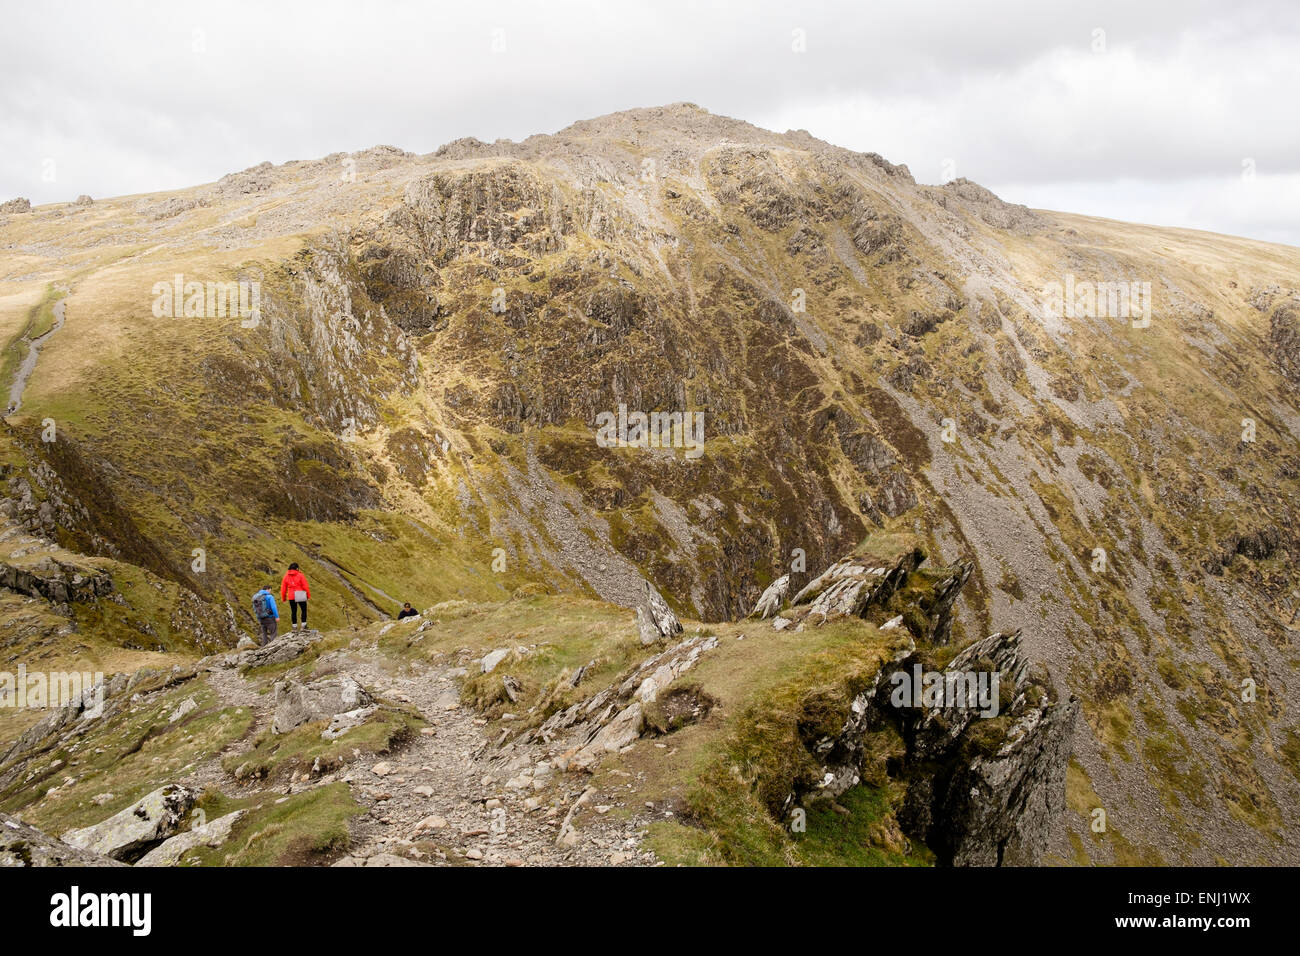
(294, 589)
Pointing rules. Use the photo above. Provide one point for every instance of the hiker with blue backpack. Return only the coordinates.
(268, 615)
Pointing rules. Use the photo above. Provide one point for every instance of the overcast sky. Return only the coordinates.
(1177, 112)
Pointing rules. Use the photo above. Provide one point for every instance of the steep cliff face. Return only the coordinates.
(415, 415)
(984, 741)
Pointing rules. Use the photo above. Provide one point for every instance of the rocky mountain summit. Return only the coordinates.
(937, 429)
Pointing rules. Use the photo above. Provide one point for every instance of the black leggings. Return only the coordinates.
(293, 611)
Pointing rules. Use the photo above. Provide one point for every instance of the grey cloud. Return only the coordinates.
(117, 95)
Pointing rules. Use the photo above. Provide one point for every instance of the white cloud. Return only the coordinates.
(1012, 92)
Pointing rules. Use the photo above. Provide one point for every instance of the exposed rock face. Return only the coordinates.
(128, 833)
(56, 582)
(1284, 336)
(821, 422)
(255, 179)
(938, 726)
(985, 775)
(987, 791)
(987, 206)
(297, 704)
(1001, 809)
(936, 607)
(16, 205)
(64, 724)
(24, 845)
(58, 722)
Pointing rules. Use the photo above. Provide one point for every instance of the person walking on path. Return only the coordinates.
(268, 615)
(295, 590)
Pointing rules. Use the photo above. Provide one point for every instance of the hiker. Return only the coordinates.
(294, 589)
(407, 611)
(268, 615)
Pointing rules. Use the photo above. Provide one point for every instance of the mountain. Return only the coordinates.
(1087, 428)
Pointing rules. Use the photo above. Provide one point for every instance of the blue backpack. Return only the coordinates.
(262, 604)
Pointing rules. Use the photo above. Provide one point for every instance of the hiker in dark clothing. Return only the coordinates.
(407, 611)
(268, 615)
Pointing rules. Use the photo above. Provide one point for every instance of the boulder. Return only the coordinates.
(23, 845)
(186, 707)
(279, 651)
(772, 598)
(645, 627)
(213, 833)
(431, 823)
(130, 832)
(655, 619)
(297, 704)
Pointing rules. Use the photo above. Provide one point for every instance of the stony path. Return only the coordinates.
(448, 796)
(29, 360)
(452, 789)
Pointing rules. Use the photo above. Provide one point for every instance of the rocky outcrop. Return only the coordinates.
(935, 603)
(986, 745)
(20, 204)
(58, 721)
(999, 809)
(129, 833)
(23, 845)
(655, 619)
(340, 724)
(1284, 336)
(63, 724)
(850, 586)
(772, 599)
(615, 717)
(279, 651)
(213, 833)
(984, 203)
(297, 704)
(255, 179)
(57, 582)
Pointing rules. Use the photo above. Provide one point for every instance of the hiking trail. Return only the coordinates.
(448, 787)
(29, 360)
